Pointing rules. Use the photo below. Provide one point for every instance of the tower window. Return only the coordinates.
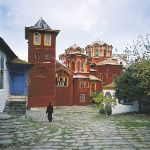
(37, 38)
(37, 56)
(47, 40)
(82, 97)
(47, 56)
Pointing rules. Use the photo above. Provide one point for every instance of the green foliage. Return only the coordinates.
(134, 84)
(102, 103)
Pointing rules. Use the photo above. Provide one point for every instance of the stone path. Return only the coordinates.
(73, 128)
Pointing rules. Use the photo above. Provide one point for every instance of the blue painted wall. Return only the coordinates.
(18, 78)
(18, 83)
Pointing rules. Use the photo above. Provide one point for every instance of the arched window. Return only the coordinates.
(104, 53)
(37, 55)
(41, 72)
(2, 62)
(66, 82)
(37, 38)
(89, 53)
(108, 95)
(103, 78)
(82, 85)
(82, 97)
(82, 65)
(47, 56)
(60, 82)
(73, 66)
(96, 52)
(78, 66)
(47, 39)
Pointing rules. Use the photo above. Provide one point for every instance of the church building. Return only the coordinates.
(70, 80)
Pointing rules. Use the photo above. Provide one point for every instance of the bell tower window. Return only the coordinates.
(37, 39)
(47, 40)
(37, 55)
(47, 56)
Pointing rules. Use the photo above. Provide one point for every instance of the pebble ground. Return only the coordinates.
(77, 127)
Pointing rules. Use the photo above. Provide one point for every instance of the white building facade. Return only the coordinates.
(120, 106)
(4, 80)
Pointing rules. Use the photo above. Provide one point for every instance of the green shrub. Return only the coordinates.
(102, 103)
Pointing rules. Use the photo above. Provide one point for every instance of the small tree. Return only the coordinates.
(102, 103)
(134, 84)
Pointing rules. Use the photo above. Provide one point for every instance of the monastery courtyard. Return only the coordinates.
(77, 127)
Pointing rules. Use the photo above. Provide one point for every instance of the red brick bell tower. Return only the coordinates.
(41, 51)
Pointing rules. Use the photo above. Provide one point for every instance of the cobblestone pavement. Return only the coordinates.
(74, 128)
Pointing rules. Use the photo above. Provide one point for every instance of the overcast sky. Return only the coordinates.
(116, 22)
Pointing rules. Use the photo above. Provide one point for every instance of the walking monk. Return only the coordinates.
(49, 111)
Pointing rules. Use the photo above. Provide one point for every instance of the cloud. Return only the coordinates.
(80, 21)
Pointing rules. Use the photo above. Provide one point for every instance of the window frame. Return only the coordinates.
(82, 65)
(37, 56)
(49, 56)
(103, 79)
(45, 39)
(82, 85)
(35, 38)
(96, 53)
(82, 97)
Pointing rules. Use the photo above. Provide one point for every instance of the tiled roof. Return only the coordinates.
(92, 69)
(6, 49)
(41, 24)
(80, 77)
(62, 63)
(108, 62)
(94, 78)
(111, 85)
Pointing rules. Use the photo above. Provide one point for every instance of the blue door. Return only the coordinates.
(18, 85)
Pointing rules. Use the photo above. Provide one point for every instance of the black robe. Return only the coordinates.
(49, 111)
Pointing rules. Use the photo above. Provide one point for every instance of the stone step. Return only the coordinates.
(15, 105)
(16, 98)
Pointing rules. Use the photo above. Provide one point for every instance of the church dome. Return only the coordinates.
(98, 42)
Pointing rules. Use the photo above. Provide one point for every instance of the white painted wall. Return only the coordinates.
(5, 91)
(119, 108)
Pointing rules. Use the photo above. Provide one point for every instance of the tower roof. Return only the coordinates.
(42, 24)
